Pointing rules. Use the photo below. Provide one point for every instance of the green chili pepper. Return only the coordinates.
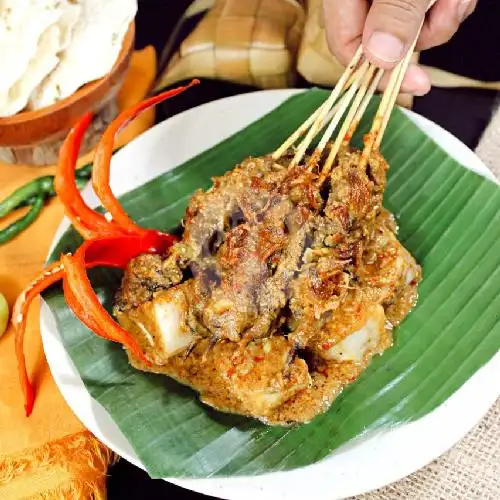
(4, 314)
(34, 194)
(23, 222)
(41, 186)
(80, 184)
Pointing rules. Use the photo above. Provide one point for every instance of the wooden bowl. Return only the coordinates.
(44, 125)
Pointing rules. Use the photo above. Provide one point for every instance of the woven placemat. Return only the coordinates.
(471, 469)
(488, 148)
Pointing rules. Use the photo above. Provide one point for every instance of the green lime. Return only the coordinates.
(4, 314)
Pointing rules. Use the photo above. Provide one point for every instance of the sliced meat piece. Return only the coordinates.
(262, 376)
(275, 292)
(232, 308)
(386, 267)
(161, 325)
(144, 276)
(359, 190)
(278, 294)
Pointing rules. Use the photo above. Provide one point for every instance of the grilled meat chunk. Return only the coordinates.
(279, 293)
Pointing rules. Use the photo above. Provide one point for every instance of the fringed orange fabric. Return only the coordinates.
(73, 467)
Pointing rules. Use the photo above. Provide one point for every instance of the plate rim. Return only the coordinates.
(201, 485)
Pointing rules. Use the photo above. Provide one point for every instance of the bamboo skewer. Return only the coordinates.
(357, 86)
(346, 126)
(364, 104)
(394, 94)
(302, 129)
(336, 118)
(298, 133)
(316, 126)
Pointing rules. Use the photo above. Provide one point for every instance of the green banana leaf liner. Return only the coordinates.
(449, 219)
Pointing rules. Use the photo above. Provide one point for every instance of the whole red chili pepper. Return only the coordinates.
(110, 242)
(111, 251)
(104, 151)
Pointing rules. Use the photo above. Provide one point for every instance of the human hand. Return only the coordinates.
(387, 28)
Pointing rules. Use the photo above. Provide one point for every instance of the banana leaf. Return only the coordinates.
(449, 219)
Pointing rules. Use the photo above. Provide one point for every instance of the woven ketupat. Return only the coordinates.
(253, 42)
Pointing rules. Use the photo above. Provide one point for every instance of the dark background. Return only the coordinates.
(473, 52)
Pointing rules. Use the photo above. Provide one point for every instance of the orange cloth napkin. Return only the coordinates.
(51, 454)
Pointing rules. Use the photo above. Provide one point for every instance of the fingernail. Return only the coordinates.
(463, 9)
(385, 47)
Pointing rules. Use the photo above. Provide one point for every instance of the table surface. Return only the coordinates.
(473, 52)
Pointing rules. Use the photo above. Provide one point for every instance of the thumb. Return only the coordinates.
(390, 29)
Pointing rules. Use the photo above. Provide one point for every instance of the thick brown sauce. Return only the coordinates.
(284, 294)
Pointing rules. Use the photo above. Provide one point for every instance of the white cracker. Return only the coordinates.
(42, 63)
(51, 42)
(95, 44)
(22, 22)
(67, 22)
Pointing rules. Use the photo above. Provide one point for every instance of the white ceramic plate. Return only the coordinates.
(374, 461)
